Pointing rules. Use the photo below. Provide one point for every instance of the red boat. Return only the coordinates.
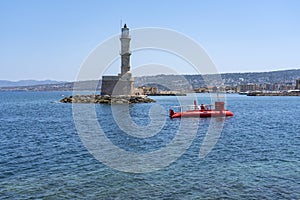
(202, 111)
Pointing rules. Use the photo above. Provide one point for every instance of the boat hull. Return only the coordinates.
(201, 114)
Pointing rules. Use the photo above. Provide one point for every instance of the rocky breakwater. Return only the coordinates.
(122, 99)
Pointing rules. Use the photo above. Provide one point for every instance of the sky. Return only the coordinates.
(50, 39)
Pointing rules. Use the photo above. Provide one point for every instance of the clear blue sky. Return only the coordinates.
(50, 39)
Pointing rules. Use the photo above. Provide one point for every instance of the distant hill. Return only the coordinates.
(230, 79)
(281, 76)
(59, 86)
(163, 82)
(5, 83)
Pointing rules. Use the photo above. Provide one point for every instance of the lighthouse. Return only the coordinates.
(123, 83)
(125, 50)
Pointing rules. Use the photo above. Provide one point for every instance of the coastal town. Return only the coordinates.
(258, 89)
(272, 83)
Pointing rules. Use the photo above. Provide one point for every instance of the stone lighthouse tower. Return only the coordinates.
(123, 83)
(125, 50)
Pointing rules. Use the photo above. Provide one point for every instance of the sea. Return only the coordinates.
(51, 150)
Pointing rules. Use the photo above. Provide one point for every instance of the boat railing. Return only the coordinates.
(184, 108)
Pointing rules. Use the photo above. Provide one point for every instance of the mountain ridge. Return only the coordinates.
(178, 82)
(28, 82)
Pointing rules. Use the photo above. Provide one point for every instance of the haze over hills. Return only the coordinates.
(6, 83)
(194, 81)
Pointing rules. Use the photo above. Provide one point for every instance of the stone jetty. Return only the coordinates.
(291, 93)
(107, 99)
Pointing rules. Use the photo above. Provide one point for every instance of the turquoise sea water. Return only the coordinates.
(257, 155)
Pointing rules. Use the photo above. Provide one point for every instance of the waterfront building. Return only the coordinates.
(297, 84)
(248, 87)
(146, 90)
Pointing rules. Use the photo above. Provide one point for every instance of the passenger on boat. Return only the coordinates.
(202, 107)
(207, 107)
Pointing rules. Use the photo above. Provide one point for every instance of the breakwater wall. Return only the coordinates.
(273, 94)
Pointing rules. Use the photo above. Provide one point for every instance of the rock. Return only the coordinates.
(106, 99)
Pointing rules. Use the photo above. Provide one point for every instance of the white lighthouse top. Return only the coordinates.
(125, 32)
